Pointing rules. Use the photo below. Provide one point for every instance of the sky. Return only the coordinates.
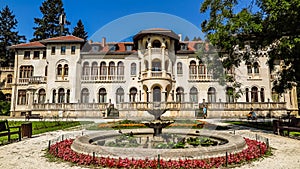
(118, 19)
(99, 16)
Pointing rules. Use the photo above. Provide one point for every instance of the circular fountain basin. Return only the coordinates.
(86, 145)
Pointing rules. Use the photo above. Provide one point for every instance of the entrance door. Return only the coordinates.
(156, 94)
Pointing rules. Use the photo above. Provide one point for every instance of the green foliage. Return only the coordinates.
(274, 26)
(79, 30)
(4, 108)
(49, 25)
(8, 35)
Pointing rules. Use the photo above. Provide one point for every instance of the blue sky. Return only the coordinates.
(99, 16)
(95, 13)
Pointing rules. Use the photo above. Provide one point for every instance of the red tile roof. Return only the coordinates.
(68, 38)
(35, 44)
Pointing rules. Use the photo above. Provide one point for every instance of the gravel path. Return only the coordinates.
(29, 153)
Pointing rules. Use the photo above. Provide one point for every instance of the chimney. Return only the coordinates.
(180, 37)
(103, 41)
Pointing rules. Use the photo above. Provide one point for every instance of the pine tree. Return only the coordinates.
(79, 30)
(8, 35)
(49, 25)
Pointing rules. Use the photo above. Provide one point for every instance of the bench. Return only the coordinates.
(279, 126)
(33, 116)
(5, 130)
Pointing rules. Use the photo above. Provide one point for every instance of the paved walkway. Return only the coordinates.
(29, 153)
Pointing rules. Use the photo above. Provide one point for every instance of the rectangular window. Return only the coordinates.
(44, 54)
(112, 47)
(36, 54)
(53, 50)
(27, 55)
(73, 48)
(22, 97)
(63, 50)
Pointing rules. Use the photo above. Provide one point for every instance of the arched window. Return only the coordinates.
(179, 94)
(275, 95)
(54, 96)
(133, 69)
(66, 70)
(193, 68)
(22, 97)
(26, 71)
(46, 70)
(59, 70)
(102, 95)
(156, 44)
(262, 95)
(211, 95)
(111, 68)
(256, 67)
(201, 68)
(42, 96)
(85, 70)
(156, 65)
(156, 94)
(9, 78)
(132, 94)
(249, 68)
(194, 95)
(68, 96)
(85, 95)
(103, 69)
(94, 72)
(179, 68)
(254, 94)
(120, 95)
(120, 70)
(61, 95)
(229, 95)
(247, 94)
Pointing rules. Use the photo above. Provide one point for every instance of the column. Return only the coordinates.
(163, 46)
(149, 57)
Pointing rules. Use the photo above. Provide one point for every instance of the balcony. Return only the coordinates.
(37, 80)
(155, 52)
(200, 78)
(102, 78)
(148, 75)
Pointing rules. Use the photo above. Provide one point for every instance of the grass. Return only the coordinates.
(259, 125)
(39, 127)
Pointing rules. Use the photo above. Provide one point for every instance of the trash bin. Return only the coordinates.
(26, 129)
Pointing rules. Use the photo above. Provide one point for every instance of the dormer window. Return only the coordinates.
(112, 47)
(95, 48)
(183, 47)
(128, 47)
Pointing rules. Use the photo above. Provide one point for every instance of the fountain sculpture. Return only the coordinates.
(158, 124)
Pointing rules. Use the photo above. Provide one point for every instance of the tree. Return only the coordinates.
(79, 30)
(186, 38)
(8, 35)
(50, 25)
(274, 25)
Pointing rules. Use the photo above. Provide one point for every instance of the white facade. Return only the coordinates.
(75, 78)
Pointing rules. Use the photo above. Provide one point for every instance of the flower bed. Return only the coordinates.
(63, 150)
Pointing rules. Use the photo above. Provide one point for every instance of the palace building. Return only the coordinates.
(66, 76)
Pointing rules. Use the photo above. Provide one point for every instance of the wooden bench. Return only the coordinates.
(5, 130)
(33, 116)
(293, 124)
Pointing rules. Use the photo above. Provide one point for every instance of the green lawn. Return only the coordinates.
(259, 125)
(39, 127)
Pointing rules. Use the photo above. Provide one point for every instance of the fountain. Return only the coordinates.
(138, 143)
(158, 124)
